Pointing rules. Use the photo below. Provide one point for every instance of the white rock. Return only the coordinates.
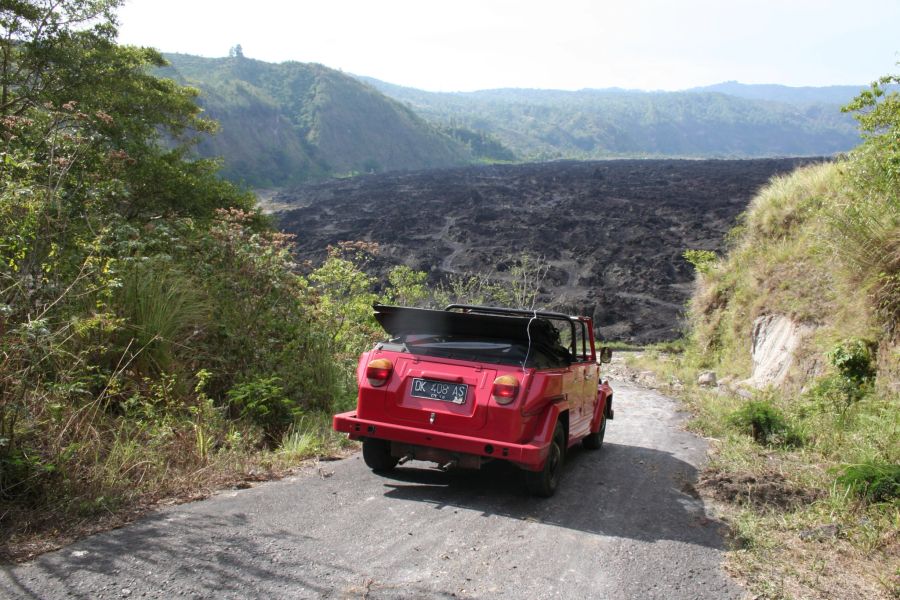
(775, 340)
(707, 378)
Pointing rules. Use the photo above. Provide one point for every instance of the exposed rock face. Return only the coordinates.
(776, 338)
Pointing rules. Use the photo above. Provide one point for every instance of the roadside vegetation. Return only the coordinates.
(157, 339)
(809, 468)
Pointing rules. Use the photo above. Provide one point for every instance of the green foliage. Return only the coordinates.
(407, 286)
(160, 307)
(854, 363)
(765, 423)
(819, 246)
(151, 325)
(872, 481)
(345, 297)
(263, 402)
(702, 260)
(878, 113)
(854, 360)
(868, 225)
(482, 146)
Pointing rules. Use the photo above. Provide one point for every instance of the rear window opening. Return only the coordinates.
(484, 349)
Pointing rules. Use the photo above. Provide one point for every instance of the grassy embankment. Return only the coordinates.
(810, 469)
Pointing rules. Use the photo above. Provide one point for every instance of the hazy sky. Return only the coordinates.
(463, 45)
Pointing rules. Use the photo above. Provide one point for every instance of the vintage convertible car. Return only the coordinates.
(469, 384)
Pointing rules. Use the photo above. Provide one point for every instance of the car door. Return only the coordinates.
(584, 390)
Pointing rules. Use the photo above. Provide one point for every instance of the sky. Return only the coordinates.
(465, 45)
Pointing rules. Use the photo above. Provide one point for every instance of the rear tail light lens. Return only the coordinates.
(379, 371)
(506, 387)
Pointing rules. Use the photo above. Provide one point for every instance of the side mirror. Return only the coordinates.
(605, 354)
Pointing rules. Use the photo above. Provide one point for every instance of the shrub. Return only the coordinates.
(765, 423)
(854, 360)
(263, 402)
(702, 260)
(872, 481)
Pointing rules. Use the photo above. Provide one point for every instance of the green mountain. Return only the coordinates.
(291, 122)
(731, 121)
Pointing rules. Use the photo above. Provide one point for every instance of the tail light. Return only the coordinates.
(379, 371)
(505, 389)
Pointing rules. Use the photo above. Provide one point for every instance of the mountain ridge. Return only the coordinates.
(290, 122)
(617, 123)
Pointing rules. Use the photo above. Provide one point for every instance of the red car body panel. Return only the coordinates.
(519, 432)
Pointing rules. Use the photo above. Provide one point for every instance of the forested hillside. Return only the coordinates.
(291, 122)
(728, 121)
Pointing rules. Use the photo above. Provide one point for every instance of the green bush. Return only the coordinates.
(702, 260)
(854, 360)
(765, 423)
(263, 402)
(873, 481)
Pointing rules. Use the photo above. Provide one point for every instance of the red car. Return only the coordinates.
(469, 384)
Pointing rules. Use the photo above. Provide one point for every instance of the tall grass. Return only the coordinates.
(162, 309)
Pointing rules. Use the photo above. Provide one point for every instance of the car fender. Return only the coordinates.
(604, 398)
(544, 433)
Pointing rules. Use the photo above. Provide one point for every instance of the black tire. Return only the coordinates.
(377, 454)
(543, 483)
(594, 441)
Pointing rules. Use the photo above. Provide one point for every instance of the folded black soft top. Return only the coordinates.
(401, 320)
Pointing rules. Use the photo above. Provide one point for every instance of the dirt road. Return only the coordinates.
(626, 523)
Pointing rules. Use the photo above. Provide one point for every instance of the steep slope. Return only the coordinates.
(291, 122)
(811, 285)
(624, 123)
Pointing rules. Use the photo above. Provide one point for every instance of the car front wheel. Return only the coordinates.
(594, 441)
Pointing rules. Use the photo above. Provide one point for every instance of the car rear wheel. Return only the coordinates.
(544, 482)
(377, 454)
(594, 441)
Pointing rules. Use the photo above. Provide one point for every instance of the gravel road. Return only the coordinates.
(626, 523)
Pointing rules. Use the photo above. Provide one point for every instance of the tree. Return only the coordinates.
(38, 37)
(878, 113)
(236, 51)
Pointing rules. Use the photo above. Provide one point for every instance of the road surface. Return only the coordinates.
(625, 523)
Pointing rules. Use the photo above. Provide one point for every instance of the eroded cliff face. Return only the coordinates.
(612, 232)
(777, 349)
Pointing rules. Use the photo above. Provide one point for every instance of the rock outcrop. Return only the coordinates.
(776, 339)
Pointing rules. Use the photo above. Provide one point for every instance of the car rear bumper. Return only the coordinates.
(529, 456)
